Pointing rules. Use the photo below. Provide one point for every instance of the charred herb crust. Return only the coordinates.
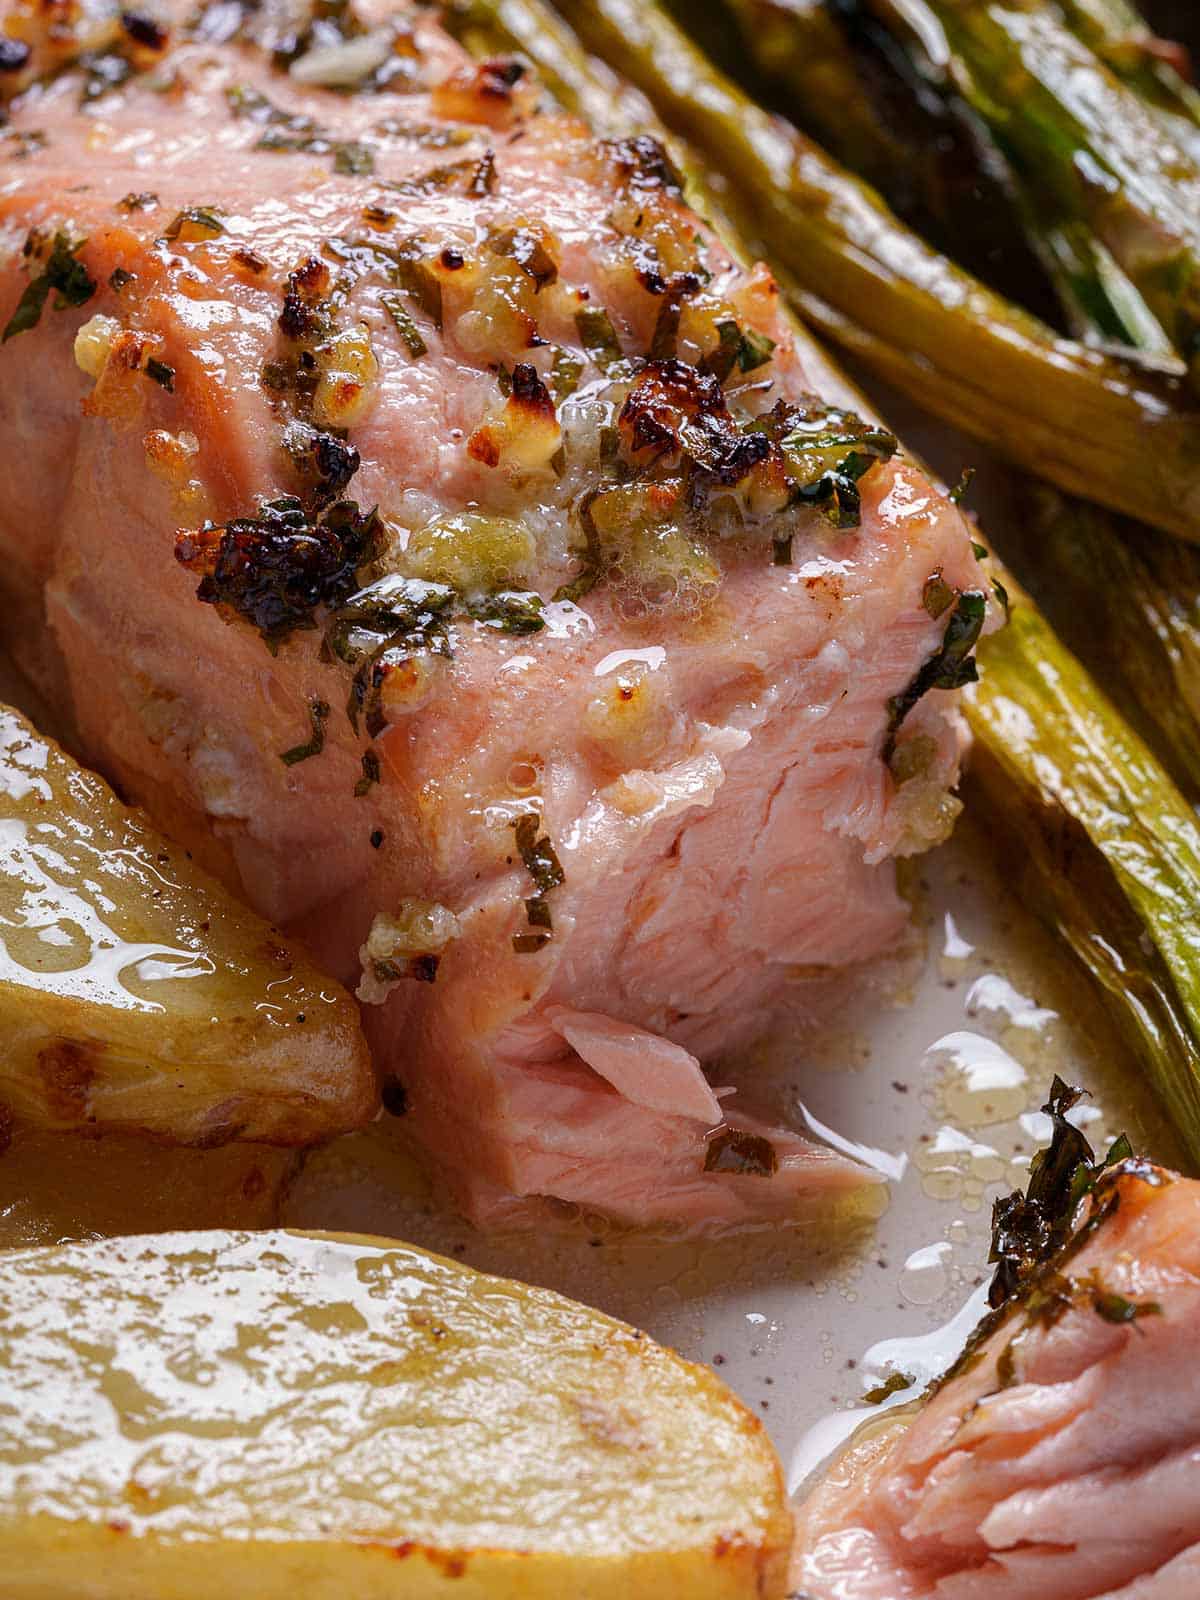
(278, 568)
(1029, 1228)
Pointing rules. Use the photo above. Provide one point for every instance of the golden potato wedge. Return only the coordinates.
(259, 1416)
(59, 1186)
(135, 993)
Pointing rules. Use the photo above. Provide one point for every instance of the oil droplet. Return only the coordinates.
(991, 992)
(954, 946)
(881, 1161)
(925, 1276)
(983, 1084)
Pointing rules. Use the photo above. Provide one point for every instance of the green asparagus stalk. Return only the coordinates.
(899, 141)
(1119, 430)
(580, 82)
(1101, 843)
(1126, 600)
(843, 79)
(1079, 134)
(1120, 37)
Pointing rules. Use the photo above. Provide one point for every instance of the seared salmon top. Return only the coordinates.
(470, 553)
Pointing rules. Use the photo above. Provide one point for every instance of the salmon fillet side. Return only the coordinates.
(1062, 1458)
(430, 517)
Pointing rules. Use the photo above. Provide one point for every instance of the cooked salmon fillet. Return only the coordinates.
(1063, 1458)
(436, 525)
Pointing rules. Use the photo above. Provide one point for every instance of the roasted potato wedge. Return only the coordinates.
(265, 1415)
(60, 1186)
(135, 993)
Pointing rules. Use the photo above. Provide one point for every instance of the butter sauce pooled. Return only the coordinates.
(136, 994)
(274, 1414)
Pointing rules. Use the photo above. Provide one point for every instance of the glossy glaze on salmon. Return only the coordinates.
(434, 521)
(1063, 1459)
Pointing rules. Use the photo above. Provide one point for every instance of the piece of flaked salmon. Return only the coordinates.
(434, 520)
(1061, 1458)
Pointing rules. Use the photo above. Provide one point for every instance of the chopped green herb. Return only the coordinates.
(161, 373)
(827, 452)
(528, 249)
(118, 278)
(754, 350)
(63, 275)
(193, 222)
(951, 666)
(1028, 1228)
(739, 347)
(733, 1150)
(1115, 1308)
(145, 201)
(565, 373)
(353, 159)
(959, 492)
(371, 774)
(543, 866)
(417, 279)
(405, 326)
(538, 854)
(894, 1383)
(516, 611)
(721, 361)
(318, 712)
(537, 913)
(598, 336)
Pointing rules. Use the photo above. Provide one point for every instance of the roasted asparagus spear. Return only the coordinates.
(1081, 135)
(1104, 846)
(1152, 66)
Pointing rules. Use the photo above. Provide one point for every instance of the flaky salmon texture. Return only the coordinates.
(1063, 1458)
(436, 526)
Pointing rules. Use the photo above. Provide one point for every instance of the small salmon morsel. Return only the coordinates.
(1062, 1457)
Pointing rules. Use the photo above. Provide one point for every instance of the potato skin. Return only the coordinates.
(487, 1438)
(159, 1004)
(111, 1564)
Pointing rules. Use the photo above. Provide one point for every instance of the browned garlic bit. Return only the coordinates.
(406, 945)
(348, 374)
(631, 715)
(93, 343)
(472, 552)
